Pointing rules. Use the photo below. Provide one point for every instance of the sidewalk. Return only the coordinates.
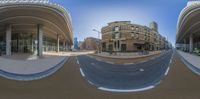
(127, 55)
(126, 60)
(29, 67)
(192, 59)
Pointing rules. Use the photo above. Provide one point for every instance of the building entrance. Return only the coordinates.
(22, 43)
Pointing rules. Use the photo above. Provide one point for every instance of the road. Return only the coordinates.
(67, 83)
(133, 77)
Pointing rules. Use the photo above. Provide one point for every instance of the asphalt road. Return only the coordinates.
(125, 77)
(67, 83)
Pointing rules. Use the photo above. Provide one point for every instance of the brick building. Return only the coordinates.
(90, 43)
(123, 36)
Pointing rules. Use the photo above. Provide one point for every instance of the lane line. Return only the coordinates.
(167, 71)
(128, 90)
(90, 82)
(82, 72)
(77, 61)
(109, 62)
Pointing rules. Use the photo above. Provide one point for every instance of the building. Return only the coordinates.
(188, 32)
(90, 43)
(34, 26)
(124, 36)
(76, 43)
(80, 43)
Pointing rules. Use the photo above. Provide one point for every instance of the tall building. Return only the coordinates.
(34, 26)
(76, 43)
(124, 36)
(188, 32)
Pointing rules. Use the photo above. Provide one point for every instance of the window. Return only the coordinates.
(116, 29)
(117, 35)
(137, 35)
(132, 28)
(132, 34)
(137, 29)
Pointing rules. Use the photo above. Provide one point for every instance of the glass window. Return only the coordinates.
(116, 28)
(117, 35)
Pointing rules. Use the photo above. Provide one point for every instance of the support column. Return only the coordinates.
(63, 45)
(184, 44)
(66, 47)
(40, 40)
(58, 44)
(8, 40)
(191, 43)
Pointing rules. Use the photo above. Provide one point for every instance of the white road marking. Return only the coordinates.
(82, 72)
(130, 90)
(167, 71)
(109, 62)
(90, 82)
(142, 61)
(141, 70)
(77, 61)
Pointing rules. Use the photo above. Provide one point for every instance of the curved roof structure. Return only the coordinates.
(25, 14)
(189, 20)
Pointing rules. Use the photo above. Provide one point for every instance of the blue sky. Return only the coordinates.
(94, 14)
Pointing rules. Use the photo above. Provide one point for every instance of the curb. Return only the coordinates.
(35, 76)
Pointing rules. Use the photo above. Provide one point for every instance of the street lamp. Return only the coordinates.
(98, 38)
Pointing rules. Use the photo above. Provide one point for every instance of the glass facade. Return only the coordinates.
(2, 44)
(27, 43)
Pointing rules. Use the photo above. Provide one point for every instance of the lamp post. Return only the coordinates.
(98, 38)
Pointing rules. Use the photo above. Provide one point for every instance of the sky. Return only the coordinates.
(94, 14)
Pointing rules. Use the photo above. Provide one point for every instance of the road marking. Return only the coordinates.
(141, 70)
(167, 71)
(126, 90)
(77, 61)
(90, 82)
(170, 61)
(142, 61)
(157, 83)
(109, 62)
(82, 72)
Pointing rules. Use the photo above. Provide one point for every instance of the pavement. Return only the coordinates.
(125, 78)
(70, 53)
(28, 66)
(68, 83)
(127, 55)
(191, 58)
(125, 61)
